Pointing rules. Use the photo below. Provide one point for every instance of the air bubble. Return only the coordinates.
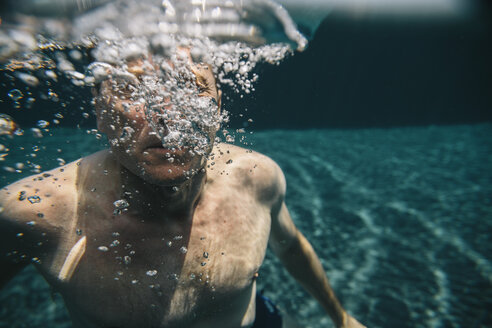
(15, 94)
(7, 125)
(42, 124)
(36, 133)
(28, 79)
(127, 260)
(53, 96)
(151, 273)
(103, 248)
(115, 243)
(173, 276)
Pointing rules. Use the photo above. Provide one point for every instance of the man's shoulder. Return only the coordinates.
(40, 196)
(249, 169)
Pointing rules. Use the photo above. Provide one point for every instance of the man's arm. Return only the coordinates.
(298, 256)
(23, 226)
(12, 245)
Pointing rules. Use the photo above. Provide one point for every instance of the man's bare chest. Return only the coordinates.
(150, 271)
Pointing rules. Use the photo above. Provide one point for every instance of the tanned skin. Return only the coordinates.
(184, 253)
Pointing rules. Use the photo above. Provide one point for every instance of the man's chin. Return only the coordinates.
(167, 176)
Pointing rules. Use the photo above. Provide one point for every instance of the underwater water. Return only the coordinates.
(400, 217)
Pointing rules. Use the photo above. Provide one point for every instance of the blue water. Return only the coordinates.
(401, 219)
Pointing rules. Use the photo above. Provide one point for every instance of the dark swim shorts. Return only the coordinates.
(267, 314)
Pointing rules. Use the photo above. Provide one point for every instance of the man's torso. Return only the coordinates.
(147, 271)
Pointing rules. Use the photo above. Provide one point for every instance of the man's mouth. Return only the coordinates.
(159, 148)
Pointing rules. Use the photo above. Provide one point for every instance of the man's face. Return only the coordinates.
(156, 137)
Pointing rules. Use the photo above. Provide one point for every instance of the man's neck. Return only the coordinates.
(171, 201)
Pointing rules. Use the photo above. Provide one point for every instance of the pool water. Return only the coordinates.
(400, 217)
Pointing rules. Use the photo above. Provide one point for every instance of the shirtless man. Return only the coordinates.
(187, 249)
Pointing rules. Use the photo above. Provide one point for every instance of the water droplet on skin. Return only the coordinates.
(203, 263)
(151, 273)
(205, 255)
(120, 206)
(31, 223)
(40, 215)
(103, 248)
(78, 232)
(34, 199)
(192, 276)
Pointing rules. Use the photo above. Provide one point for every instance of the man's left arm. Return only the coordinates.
(298, 256)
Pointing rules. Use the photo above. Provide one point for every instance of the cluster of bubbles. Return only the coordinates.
(233, 36)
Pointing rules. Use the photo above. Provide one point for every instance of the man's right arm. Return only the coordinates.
(23, 228)
(12, 260)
